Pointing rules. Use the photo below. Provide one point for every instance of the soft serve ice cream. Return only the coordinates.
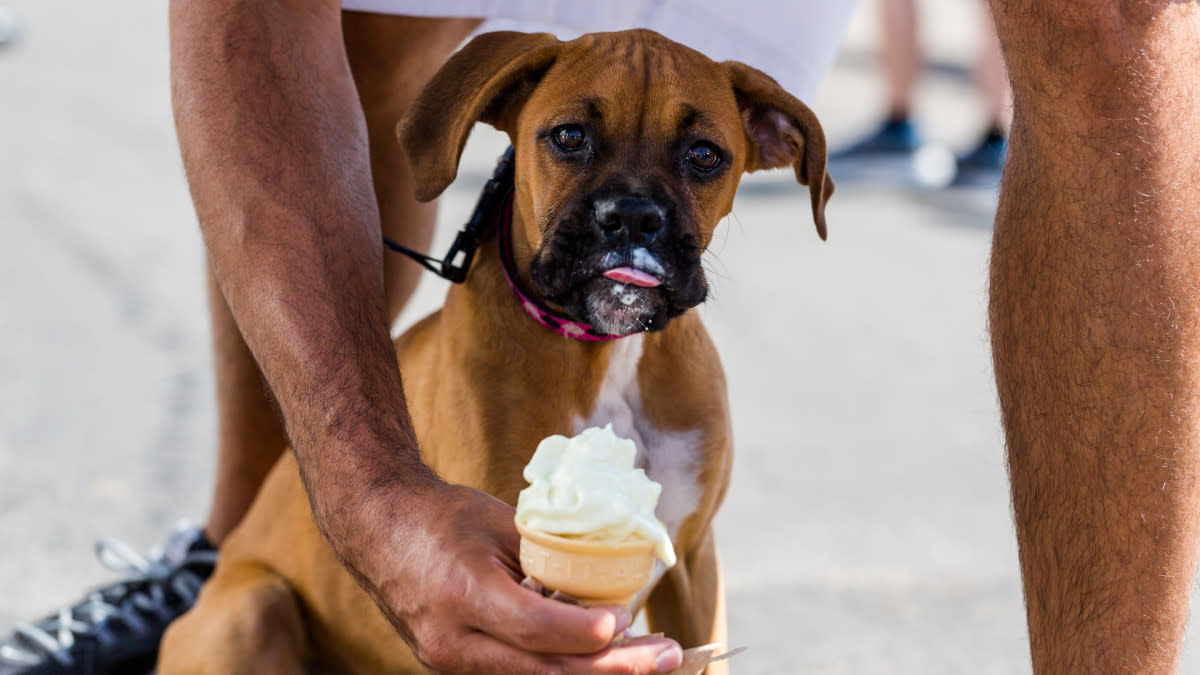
(587, 488)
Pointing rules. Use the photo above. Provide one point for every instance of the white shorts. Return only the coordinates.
(794, 41)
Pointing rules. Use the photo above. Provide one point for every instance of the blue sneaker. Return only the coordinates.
(897, 137)
(983, 166)
(893, 155)
(117, 628)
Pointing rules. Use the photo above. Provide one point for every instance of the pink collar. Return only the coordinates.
(548, 318)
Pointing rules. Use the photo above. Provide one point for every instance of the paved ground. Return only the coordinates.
(867, 530)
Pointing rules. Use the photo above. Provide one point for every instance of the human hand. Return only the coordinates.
(443, 567)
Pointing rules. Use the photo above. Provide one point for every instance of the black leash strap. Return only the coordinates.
(458, 259)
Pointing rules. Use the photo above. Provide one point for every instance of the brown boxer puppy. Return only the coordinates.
(629, 149)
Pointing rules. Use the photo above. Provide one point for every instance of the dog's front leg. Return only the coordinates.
(689, 603)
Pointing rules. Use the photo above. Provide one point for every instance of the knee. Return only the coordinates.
(241, 627)
(180, 652)
(392, 57)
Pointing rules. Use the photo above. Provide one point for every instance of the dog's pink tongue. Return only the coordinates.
(628, 275)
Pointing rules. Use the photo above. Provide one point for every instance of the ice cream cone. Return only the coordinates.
(592, 572)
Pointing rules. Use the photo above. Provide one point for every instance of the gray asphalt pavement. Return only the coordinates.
(867, 529)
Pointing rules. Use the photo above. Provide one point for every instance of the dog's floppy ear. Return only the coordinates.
(485, 81)
(782, 131)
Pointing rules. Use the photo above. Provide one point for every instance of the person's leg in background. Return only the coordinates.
(983, 162)
(900, 62)
(991, 79)
(392, 57)
(901, 55)
(1095, 320)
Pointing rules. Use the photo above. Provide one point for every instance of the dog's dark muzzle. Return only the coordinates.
(631, 219)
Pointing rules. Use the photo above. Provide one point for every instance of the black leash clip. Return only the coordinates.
(457, 262)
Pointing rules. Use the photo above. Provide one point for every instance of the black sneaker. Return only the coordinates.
(117, 628)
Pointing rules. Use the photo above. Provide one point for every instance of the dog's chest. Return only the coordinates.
(672, 459)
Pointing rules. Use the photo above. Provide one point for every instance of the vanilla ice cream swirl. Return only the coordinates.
(586, 487)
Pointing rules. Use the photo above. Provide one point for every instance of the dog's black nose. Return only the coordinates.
(636, 217)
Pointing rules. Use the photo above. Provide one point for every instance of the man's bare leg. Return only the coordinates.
(1095, 310)
(392, 58)
(249, 431)
(388, 80)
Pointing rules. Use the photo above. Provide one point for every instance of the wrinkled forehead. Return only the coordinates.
(636, 84)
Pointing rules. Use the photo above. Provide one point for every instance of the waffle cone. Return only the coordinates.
(592, 572)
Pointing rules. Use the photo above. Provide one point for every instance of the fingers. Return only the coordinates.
(634, 656)
(526, 620)
(477, 652)
(475, 617)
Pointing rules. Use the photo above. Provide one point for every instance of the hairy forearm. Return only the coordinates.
(275, 150)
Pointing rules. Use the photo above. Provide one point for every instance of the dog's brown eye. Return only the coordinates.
(703, 156)
(569, 137)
